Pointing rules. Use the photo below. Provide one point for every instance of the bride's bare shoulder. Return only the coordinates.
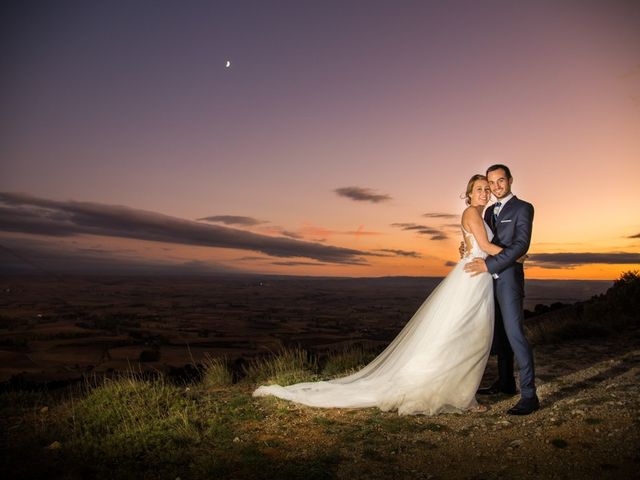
(470, 211)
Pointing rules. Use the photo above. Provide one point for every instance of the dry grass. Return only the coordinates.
(215, 372)
(289, 365)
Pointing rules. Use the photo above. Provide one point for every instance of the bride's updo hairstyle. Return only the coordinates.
(474, 179)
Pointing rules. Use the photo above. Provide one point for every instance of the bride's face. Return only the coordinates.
(480, 193)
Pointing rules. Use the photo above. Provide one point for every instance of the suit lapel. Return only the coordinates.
(508, 206)
(491, 220)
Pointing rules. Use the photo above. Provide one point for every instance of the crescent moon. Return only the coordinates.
(228, 64)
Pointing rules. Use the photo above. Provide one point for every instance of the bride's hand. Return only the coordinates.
(522, 258)
(476, 267)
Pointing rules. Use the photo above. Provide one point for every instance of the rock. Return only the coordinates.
(44, 409)
(236, 440)
(54, 446)
(516, 443)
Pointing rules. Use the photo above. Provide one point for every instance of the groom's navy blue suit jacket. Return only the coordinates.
(512, 232)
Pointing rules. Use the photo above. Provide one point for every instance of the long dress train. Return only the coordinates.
(435, 364)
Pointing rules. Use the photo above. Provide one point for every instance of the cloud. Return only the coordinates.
(360, 194)
(233, 220)
(361, 231)
(28, 214)
(400, 253)
(319, 234)
(451, 226)
(436, 234)
(251, 222)
(309, 230)
(275, 230)
(441, 215)
(298, 264)
(25, 256)
(424, 229)
(571, 260)
(449, 263)
(637, 235)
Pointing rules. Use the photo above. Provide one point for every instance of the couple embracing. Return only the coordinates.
(436, 362)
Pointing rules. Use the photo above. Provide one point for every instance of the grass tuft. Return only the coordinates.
(349, 360)
(215, 372)
(289, 365)
(129, 419)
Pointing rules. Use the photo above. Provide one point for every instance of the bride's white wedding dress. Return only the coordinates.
(434, 364)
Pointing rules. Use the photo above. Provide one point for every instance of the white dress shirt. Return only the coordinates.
(502, 201)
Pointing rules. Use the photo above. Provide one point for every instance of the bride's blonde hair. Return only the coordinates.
(474, 179)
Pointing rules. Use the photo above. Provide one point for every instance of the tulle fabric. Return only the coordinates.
(434, 364)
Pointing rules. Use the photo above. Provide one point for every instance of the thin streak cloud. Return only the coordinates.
(360, 194)
(298, 264)
(400, 253)
(571, 260)
(440, 215)
(436, 234)
(233, 220)
(275, 230)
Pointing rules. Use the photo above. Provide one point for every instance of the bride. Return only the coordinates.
(436, 362)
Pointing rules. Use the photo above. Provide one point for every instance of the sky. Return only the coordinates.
(337, 142)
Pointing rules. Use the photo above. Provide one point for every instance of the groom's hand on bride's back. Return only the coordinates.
(476, 266)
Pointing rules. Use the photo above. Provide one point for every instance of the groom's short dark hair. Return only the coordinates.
(499, 166)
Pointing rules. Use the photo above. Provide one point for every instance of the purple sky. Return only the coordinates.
(130, 104)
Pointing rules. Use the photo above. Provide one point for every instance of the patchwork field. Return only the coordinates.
(61, 329)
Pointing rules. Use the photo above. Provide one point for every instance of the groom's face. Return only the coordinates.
(499, 184)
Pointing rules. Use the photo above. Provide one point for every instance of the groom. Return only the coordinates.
(511, 221)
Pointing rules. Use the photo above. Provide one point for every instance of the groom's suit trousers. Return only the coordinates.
(509, 294)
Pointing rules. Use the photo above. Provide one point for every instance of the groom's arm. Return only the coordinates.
(522, 239)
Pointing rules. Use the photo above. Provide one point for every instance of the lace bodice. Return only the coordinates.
(475, 251)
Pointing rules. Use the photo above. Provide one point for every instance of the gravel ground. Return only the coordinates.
(587, 427)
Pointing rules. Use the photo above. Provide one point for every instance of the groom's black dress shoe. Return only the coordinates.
(525, 406)
(496, 388)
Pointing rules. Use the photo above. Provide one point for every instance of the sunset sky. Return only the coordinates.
(338, 141)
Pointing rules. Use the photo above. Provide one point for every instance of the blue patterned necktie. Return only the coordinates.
(496, 211)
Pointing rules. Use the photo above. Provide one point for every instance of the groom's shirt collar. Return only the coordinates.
(504, 200)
